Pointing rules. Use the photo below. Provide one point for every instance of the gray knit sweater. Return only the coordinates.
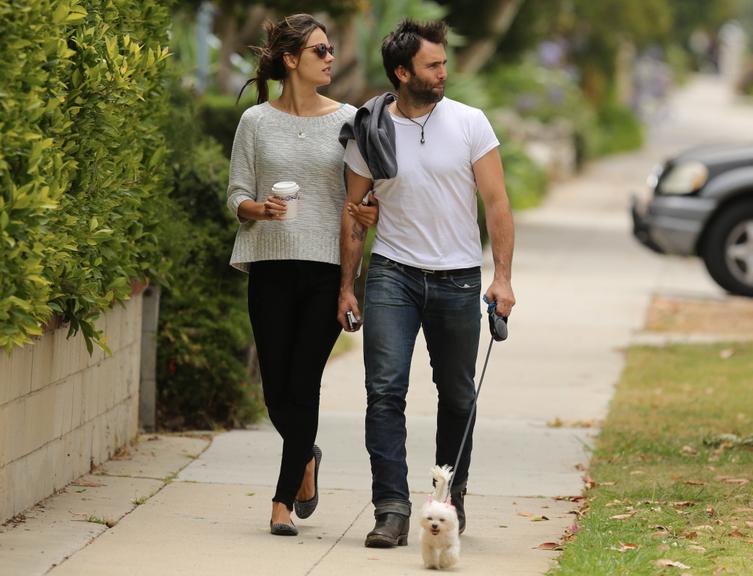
(270, 146)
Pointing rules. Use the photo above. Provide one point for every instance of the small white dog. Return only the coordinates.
(440, 541)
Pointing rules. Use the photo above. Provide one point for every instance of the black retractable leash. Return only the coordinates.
(498, 328)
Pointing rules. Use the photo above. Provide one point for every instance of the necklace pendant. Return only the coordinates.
(301, 134)
(422, 140)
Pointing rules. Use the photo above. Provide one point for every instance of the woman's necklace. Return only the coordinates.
(423, 140)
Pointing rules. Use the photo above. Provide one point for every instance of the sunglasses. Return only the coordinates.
(321, 49)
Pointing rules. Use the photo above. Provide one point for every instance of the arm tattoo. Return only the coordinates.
(358, 233)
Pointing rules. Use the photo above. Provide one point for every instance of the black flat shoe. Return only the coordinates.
(305, 508)
(283, 529)
(391, 530)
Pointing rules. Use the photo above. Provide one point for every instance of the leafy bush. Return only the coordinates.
(80, 158)
(526, 182)
(219, 116)
(204, 336)
(619, 130)
(539, 92)
(546, 94)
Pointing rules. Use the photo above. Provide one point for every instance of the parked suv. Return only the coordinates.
(702, 204)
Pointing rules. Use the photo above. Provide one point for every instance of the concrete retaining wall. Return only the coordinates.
(63, 411)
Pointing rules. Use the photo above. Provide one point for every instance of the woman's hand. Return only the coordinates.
(274, 208)
(365, 215)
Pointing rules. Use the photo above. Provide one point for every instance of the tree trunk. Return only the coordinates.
(349, 80)
(473, 56)
(227, 27)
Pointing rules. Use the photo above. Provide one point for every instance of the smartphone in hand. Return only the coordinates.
(353, 323)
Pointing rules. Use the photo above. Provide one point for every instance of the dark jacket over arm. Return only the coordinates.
(374, 132)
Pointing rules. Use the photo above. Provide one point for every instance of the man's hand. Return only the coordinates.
(501, 292)
(365, 214)
(348, 301)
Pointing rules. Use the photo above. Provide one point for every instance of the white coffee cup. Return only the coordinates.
(288, 191)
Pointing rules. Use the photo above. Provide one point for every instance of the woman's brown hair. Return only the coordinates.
(288, 36)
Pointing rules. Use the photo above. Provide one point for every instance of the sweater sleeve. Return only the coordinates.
(242, 182)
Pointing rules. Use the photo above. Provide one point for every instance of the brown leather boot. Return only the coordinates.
(390, 530)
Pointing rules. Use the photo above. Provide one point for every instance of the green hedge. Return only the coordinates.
(204, 338)
(219, 116)
(81, 158)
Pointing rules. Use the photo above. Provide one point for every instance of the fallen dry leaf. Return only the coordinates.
(710, 511)
(526, 514)
(549, 546)
(625, 547)
(671, 563)
(703, 527)
(726, 354)
(622, 516)
(695, 482)
(539, 518)
(689, 450)
(696, 548)
(690, 535)
(736, 533)
(571, 498)
(728, 480)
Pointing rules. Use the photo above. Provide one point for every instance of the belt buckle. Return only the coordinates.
(425, 271)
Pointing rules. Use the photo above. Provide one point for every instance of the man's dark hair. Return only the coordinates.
(402, 44)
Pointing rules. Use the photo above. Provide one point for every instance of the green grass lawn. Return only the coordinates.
(664, 487)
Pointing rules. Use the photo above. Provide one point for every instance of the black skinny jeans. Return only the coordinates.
(293, 309)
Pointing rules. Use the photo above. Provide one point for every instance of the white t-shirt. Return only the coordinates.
(428, 213)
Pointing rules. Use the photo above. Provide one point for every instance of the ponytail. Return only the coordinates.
(263, 73)
(262, 89)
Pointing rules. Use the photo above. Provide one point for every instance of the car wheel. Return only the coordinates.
(728, 249)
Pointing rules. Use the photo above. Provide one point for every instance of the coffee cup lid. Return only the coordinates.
(285, 187)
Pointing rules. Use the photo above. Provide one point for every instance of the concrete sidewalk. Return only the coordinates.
(582, 285)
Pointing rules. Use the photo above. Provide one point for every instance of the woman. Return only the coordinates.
(293, 264)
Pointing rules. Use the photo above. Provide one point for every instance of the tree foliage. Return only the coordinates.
(204, 334)
(81, 153)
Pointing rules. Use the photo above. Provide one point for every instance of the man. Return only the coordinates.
(425, 263)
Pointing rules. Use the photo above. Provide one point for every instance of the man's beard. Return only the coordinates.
(422, 92)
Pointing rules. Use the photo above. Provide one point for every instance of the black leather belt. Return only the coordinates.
(444, 273)
(436, 273)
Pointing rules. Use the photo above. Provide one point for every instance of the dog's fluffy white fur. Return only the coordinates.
(440, 541)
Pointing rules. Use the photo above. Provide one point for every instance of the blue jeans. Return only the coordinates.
(400, 299)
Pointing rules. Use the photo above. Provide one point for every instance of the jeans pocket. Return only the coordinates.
(465, 281)
(377, 262)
